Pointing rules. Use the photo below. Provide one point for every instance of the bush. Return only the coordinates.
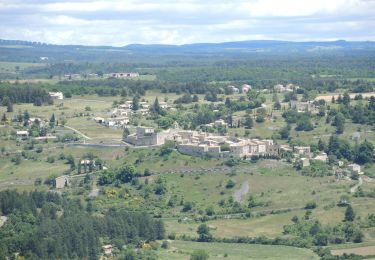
(230, 184)
(187, 206)
(50, 159)
(165, 244)
(199, 255)
(310, 205)
(231, 162)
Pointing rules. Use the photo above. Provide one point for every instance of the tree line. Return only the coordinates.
(45, 225)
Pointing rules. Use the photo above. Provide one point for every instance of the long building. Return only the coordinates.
(201, 143)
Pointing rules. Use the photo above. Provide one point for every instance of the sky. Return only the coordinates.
(122, 22)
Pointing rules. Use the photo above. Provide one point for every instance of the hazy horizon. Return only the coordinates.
(119, 23)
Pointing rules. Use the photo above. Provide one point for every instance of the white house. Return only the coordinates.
(321, 157)
(107, 249)
(124, 75)
(56, 95)
(354, 168)
(234, 89)
(245, 88)
(22, 134)
(116, 121)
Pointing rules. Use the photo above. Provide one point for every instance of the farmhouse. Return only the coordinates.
(47, 137)
(245, 88)
(22, 134)
(305, 162)
(321, 157)
(354, 168)
(143, 111)
(116, 121)
(302, 150)
(107, 249)
(144, 105)
(124, 75)
(302, 106)
(120, 112)
(62, 181)
(56, 95)
(279, 88)
(127, 105)
(288, 88)
(145, 136)
(218, 123)
(99, 120)
(72, 76)
(163, 105)
(234, 89)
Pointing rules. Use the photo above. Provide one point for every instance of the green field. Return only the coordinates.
(183, 249)
(16, 68)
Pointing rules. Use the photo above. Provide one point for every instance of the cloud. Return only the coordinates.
(119, 22)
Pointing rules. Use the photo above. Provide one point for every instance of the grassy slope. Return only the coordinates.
(183, 249)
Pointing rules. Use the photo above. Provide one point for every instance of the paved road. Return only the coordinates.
(78, 132)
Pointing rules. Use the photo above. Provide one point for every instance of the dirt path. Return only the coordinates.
(3, 219)
(239, 194)
(78, 132)
(355, 187)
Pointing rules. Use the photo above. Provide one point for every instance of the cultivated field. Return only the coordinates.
(183, 249)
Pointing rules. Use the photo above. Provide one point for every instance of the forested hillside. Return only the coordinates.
(44, 225)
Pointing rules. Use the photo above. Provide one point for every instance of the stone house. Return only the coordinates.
(302, 150)
(354, 168)
(62, 182)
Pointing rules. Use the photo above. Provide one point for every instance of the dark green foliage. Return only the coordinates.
(156, 109)
(231, 162)
(317, 169)
(167, 148)
(365, 153)
(339, 122)
(314, 233)
(135, 105)
(11, 93)
(310, 205)
(125, 173)
(260, 119)
(285, 132)
(186, 99)
(349, 213)
(340, 148)
(125, 133)
(248, 122)
(74, 234)
(204, 233)
(199, 255)
(230, 184)
(187, 206)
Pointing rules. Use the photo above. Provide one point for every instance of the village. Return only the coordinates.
(200, 142)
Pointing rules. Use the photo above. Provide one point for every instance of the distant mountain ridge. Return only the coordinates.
(232, 44)
(26, 50)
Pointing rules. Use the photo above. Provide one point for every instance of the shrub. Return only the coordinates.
(230, 184)
(310, 205)
(199, 255)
